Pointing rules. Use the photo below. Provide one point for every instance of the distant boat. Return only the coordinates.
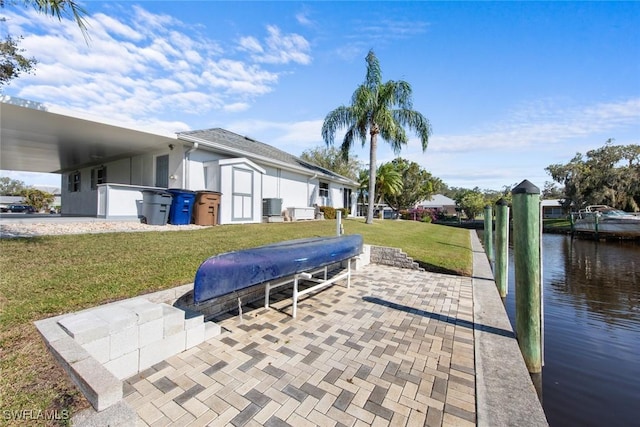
(606, 221)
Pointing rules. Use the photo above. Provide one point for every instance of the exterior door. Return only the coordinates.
(346, 198)
(162, 171)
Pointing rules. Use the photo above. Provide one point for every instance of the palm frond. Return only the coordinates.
(336, 119)
(60, 8)
(374, 72)
(416, 122)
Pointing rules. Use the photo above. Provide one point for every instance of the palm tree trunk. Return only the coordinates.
(372, 176)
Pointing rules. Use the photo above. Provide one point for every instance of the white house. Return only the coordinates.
(438, 202)
(106, 168)
(552, 208)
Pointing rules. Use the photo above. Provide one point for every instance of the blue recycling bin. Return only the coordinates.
(181, 206)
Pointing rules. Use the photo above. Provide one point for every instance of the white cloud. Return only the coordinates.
(278, 48)
(106, 24)
(236, 107)
(303, 19)
(145, 65)
(251, 44)
(543, 124)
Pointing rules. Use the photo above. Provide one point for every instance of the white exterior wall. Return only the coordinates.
(134, 171)
(295, 189)
(196, 163)
(197, 170)
(272, 183)
(335, 196)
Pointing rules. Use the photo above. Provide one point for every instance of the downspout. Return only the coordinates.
(185, 174)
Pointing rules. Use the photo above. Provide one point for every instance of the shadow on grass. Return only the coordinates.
(27, 239)
(450, 244)
(441, 317)
(438, 269)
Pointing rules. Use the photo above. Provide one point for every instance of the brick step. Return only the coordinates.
(393, 257)
(100, 347)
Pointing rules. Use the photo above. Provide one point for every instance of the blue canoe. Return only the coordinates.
(233, 271)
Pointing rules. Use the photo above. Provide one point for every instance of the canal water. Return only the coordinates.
(591, 375)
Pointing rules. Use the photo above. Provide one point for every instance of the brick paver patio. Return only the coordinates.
(394, 349)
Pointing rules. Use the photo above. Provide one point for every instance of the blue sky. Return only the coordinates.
(509, 87)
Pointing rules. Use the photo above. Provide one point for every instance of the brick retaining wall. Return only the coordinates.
(393, 257)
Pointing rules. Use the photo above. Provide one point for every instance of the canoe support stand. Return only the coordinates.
(308, 277)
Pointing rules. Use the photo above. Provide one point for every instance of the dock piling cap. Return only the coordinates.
(502, 202)
(525, 187)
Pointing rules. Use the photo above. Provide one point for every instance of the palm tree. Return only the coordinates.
(376, 108)
(388, 182)
(363, 185)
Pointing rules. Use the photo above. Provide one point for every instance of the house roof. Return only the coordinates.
(551, 202)
(437, 201)
(225, 140)
(36, 140)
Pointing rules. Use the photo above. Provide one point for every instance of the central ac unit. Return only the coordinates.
(271, 207)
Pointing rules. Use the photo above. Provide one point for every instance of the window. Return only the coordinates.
(324, 189)
(73, 184)
(162, 171)
(98, 176)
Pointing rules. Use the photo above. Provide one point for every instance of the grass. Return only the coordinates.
(557, 225)
(46, 276)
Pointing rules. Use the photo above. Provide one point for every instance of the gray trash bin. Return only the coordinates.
(155, 207)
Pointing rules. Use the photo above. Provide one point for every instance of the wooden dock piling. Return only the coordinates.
(502, 247)
(488, 233)
(526, 234)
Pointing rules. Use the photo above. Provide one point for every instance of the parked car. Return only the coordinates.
(21, 208)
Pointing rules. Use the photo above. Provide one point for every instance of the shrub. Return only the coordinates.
(330, 213)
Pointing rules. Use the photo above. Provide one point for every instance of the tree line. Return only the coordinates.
(609, 175)
(38, 199)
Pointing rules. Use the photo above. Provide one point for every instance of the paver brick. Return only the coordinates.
(385, 352)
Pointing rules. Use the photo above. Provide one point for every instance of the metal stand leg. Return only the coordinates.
(267, 289)
(295, 296)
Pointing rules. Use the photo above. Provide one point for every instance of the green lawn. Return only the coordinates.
(558, 224)
(47, 276)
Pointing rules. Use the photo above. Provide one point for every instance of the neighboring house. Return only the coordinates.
(439, 203)
(106, 168)
(552, 208)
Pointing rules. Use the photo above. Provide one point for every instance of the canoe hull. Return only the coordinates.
(232, 271)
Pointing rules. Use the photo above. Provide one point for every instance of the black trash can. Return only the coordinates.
(155, 207)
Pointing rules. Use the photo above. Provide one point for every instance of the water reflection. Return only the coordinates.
(592, 331)
(603, 276)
